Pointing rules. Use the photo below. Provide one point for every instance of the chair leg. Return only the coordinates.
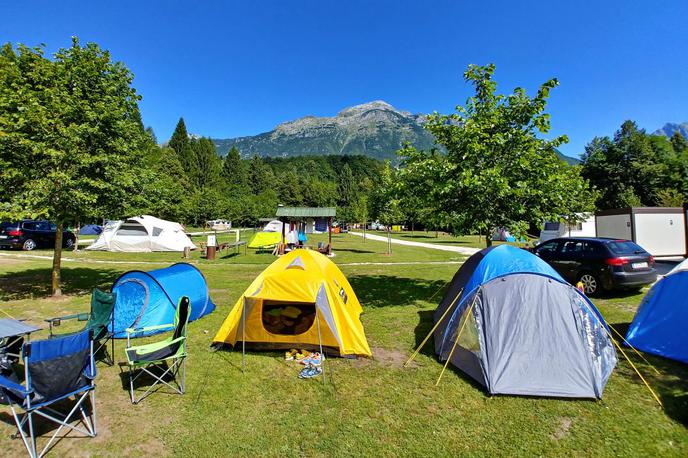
(28, 441)
(131, 385)
(32, 436)
(183, 375)
(93, 412)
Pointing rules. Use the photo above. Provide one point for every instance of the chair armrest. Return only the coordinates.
(149, 328)
(81, 316)
(15, 387)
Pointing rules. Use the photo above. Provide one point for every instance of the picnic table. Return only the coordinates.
(225, 246)
(12, 332)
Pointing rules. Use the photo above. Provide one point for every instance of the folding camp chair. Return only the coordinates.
(144, 358)
(54, 370)
(100, 320)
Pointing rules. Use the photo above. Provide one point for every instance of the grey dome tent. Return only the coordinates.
(510, 322)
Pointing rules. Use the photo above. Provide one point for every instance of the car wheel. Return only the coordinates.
(29, 245)
(591, 284)
(69, 243)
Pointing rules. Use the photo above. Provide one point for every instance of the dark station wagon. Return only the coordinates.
(600, 264)
(31, 234)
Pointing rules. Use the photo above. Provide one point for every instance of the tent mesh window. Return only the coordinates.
(157, 231)
(469, 335)
(132, 230)
(288, 318)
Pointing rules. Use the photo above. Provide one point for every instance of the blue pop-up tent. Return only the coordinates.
(91, 229)
(150, 298)
(512, 323)
(659, 326)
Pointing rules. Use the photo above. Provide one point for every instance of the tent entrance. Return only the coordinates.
(288, 318)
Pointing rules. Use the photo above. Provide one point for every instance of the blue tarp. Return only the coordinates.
(91, 229)
(150, 298)
(659, 326)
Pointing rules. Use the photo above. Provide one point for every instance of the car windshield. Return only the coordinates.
(7, 225)
(625, 247)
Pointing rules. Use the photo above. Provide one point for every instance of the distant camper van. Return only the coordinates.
(552, 230)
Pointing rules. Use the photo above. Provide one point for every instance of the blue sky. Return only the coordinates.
(239, 68)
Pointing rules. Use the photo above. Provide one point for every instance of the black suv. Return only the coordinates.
(601, 264)
(32, 234)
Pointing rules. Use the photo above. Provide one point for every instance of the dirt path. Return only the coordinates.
(433, 246)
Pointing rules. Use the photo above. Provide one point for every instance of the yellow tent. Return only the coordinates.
(265, 239)
(301, 300)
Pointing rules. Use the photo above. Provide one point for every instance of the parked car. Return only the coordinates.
(31, 234)
(600, 264)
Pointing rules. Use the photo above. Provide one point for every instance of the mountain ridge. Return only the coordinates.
(670, 128)
(375, 129)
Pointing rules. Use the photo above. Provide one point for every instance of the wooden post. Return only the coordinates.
(329, 231)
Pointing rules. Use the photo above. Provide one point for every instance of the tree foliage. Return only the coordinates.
(498, 171)
(636, 169)
(70, 135)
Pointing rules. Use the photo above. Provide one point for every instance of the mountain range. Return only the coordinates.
(670, 128)
(375, 129)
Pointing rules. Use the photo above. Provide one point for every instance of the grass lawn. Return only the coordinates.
(367, 407)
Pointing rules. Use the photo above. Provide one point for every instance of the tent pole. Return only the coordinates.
(458, 336)
(243, 335)
(322, 355)
(415, 353)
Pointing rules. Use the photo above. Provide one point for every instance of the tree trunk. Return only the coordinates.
(488, 240)
(76, 240)
(389, 240)
(57, 259)
(364, 230)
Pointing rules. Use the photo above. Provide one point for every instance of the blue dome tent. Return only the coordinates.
(91, 229)
(150, 298)
(659, 325)
(512, 323)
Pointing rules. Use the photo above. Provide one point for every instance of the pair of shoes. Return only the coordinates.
(315, 359)
(302, 356)
(310, 372)
(290, 355)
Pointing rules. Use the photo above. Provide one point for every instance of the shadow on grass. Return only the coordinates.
(671, 384)
(35, 283)
(352, 250)
(387, 290)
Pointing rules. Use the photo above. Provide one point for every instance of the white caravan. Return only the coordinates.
(552, 230)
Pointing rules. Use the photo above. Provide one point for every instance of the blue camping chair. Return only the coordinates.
(55, 370)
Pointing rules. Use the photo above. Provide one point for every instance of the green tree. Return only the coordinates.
(233, 170)
(261, 176)
(633, 168)
(182, 145)
(497, 171)
(208, 163)
(70, 137)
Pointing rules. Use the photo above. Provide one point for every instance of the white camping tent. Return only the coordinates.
(142, 234)
(290, 235)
